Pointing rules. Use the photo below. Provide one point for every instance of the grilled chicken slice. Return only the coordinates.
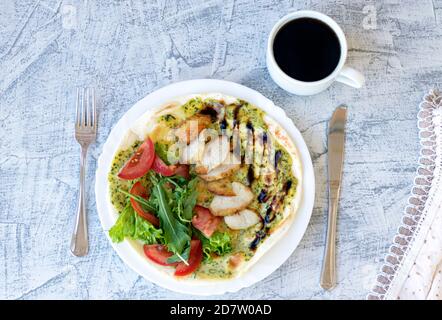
(190, 129)
(224, 205)
(242, 220)
(193, 152)
(200, 169)
(232, 163)
(215, 153)
(221, 187)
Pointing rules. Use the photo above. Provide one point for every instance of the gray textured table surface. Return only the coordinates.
(127, 50)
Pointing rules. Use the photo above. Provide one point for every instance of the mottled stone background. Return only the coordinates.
(127, 49)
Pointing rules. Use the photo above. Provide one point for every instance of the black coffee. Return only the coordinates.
(307, 49)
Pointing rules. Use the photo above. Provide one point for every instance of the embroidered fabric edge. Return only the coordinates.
(413, 216)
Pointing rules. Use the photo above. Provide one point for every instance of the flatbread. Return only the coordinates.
(146, 125)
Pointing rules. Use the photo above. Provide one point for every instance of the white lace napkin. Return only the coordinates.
(413, 267)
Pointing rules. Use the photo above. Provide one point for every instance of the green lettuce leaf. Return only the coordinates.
(131, 225)
(146, 232)
(125, 225)
(219, 243)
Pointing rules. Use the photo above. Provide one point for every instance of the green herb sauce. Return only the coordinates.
(118, 199)
(169, 120)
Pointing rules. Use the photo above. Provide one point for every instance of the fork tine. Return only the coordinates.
(88, 107)
(85, 106)
(77, 108)
(86, 111)
(94, 110)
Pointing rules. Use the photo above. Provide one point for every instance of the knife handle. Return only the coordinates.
(328, 274)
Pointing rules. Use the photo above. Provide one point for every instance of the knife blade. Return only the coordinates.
(336, 142)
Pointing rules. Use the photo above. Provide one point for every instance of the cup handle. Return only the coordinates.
(351, 77)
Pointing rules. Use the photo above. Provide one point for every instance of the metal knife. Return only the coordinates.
(336, 141)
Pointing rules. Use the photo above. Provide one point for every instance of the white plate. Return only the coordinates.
(273, 258)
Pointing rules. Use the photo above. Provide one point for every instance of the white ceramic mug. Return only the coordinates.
(342, 73)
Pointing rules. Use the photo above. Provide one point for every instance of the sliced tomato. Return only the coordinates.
(183, 171)
(160, 167)
(205, 221)
(139, 190)
(158, 253)
(141, 161)
(195, 258)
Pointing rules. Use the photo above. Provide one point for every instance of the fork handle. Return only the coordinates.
(79, 242)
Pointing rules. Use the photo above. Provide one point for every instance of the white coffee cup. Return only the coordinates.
(341, 73)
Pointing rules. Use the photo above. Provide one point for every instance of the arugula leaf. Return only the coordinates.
(174, 207)
(176, 234)
(178, 258)
(148, 206)
(185, 196)
(190, 195)
(131, 225)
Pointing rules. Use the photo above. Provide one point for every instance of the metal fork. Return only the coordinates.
(85, 134)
